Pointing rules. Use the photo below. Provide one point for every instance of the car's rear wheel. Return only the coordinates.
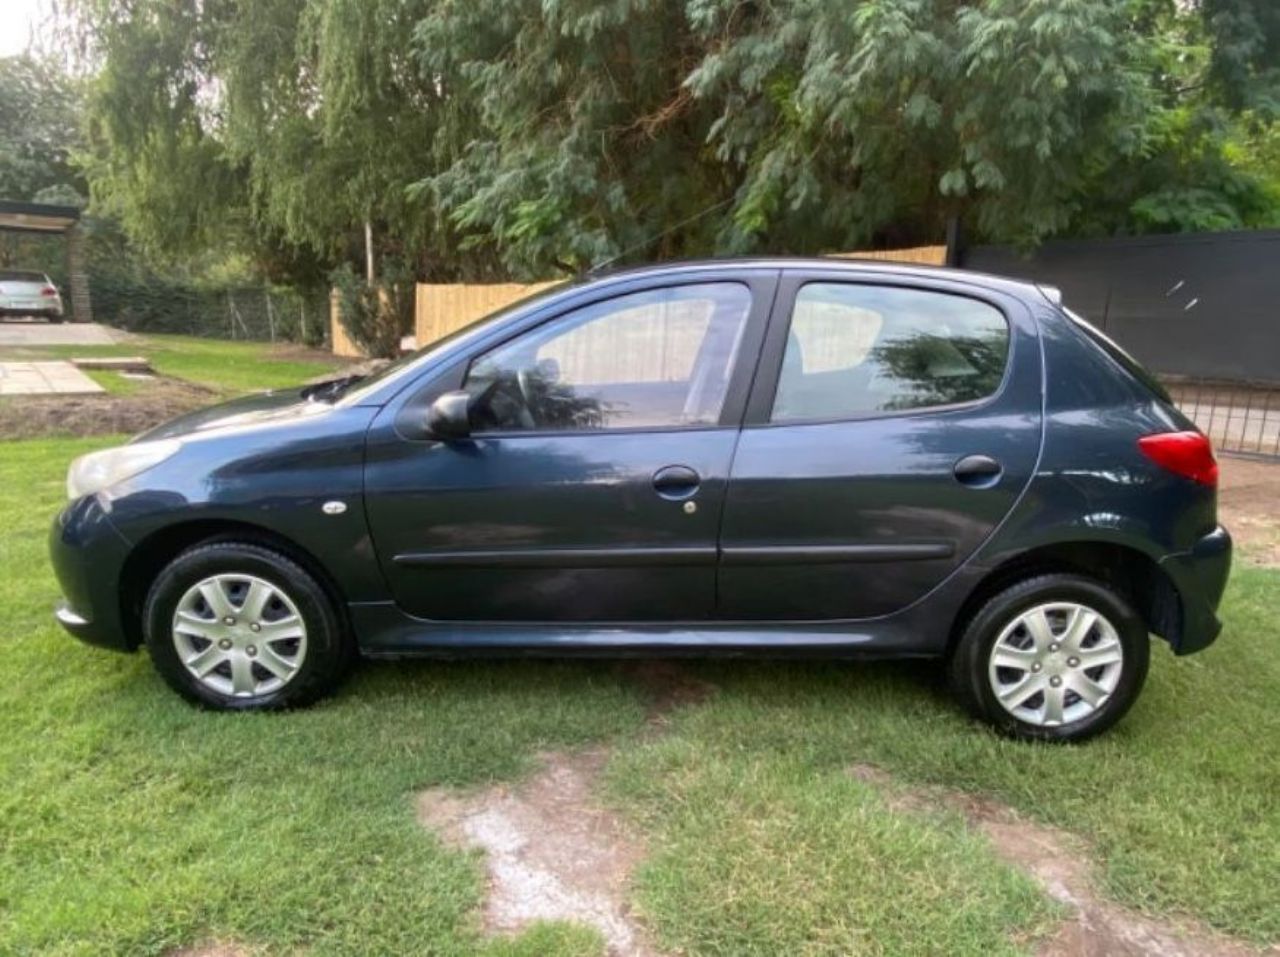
(1056, 657)
(236, 626)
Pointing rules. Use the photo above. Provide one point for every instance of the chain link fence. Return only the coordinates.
(266, 313)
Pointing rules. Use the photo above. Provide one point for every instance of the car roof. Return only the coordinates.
(852, 264)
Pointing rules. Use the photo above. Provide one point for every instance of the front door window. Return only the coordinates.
(655, 359)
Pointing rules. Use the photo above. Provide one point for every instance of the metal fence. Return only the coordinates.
(1242, 418)
(254, 312)
(1201, 305)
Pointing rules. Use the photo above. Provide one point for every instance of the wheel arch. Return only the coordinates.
(156, 550)
(1129, 570)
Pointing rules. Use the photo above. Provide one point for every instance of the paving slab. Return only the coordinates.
(112, 363)
(45, 378)
(32, 333)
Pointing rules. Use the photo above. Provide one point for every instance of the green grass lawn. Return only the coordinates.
(224, 366)
(1181, 801)
(133, 823)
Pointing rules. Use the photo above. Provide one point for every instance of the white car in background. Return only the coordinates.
(27, 293)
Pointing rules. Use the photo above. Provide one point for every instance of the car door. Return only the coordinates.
(894, 423)
(591, 486)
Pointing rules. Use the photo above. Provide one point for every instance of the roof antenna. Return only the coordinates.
(597, 267)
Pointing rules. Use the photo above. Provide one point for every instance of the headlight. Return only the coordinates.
(98, 470)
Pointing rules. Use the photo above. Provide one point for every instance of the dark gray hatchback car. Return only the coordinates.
(749, 457)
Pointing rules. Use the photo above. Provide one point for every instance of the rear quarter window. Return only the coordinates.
(1117, 355)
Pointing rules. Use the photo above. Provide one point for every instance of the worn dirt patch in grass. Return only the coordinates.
(29, 417)
(1249, 506)
(1059, 862)
(213, 948)
(297, 352)
(551, 852)
(666, 686)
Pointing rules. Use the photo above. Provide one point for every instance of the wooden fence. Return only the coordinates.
(342, 344)
(439, 309)
(924, 255)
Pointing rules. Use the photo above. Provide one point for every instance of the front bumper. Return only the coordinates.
(88, 555)
(1200, 575)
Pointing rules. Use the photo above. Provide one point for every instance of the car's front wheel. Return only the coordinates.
(1055, 657)
(236, 626)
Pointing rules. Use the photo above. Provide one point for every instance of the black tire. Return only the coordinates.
(967, 669)
(330, 650)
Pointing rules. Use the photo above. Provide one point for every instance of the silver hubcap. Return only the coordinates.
(239, 635)
(1055, 663)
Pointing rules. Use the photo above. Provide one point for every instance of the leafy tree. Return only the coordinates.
(824, 124)
(536, 136)
(1244, 63)
(39, 129)
(1203, 161)
(279, 124)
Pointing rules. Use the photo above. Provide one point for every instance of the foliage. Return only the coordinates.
(39, 120)
(541, 136)
(280, 125)
(1244, 63)
(375, 316)
(39, 104)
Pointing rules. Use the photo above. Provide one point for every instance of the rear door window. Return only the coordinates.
(855, 350)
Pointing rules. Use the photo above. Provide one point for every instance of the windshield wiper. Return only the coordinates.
(330, 389)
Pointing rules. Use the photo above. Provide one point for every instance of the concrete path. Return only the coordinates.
(33, 333)
(44, 378)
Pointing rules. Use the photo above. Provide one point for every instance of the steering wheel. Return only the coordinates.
(504, 397)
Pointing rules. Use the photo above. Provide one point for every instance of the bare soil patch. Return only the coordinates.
(297, 352)
(1059, 862)
(551, 852)
(40, 416)
(667, 686)
(212, 949)
(1249, 506)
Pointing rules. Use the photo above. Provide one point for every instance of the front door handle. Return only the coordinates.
(977, 471)
(676, 482)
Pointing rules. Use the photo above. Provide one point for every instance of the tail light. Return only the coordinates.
(1188, 454)
(48, 291)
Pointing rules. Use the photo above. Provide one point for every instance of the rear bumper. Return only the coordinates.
(1200, 575)
(40, 313)
(87, 554)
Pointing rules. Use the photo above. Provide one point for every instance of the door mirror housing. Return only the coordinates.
(448, 417)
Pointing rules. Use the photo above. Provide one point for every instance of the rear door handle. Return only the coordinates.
(977, 471)
(676, 482)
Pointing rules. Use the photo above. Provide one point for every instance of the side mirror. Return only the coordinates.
(448, 417)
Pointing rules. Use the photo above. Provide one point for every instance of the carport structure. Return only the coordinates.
(21, 217)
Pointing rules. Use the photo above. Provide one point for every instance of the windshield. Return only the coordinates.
(402, 366)
(21, 275)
